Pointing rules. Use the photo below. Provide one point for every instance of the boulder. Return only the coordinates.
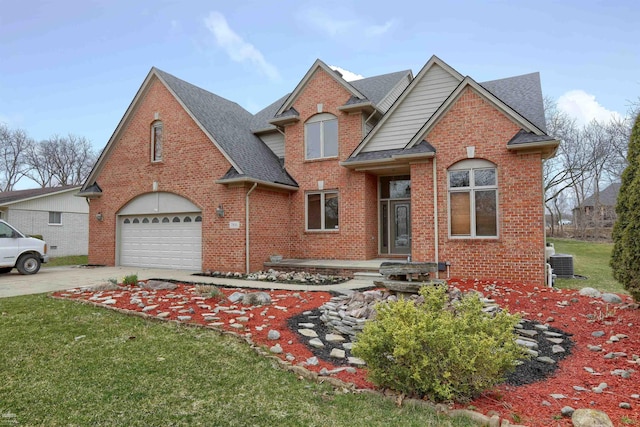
(590, 418)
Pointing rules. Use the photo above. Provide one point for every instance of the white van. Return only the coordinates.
(20, 251)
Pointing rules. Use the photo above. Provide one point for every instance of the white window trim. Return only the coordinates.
(322, 213)
(471, 166)
(55, 223)
(154, 125)
(321, 118)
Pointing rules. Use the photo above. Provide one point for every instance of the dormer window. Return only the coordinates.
(321, 136)
(156, 142)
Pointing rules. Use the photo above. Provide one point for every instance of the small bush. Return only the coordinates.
(131, 279)
(441, 352)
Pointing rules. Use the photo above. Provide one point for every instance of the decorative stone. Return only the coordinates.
(557, 349)
(256, 298)
(356, 361)
(558, 396)
(184, 318)
(567, 411)
(611, 298)
(307, 325)
(149, 308)
(625, 405)
(545, 359)
(315, 342)
(235, 297)
(312, 361)
(334, 338)
(590, 292)
(309, 333)
(276, 349)
(337, 353)
(590, 418)
(597, 334)
(163, 315)
(273, 335)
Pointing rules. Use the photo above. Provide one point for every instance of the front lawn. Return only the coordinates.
(590, 259)
(64, 363)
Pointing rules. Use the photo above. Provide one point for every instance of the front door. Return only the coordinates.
(395, 215)
(400, 227)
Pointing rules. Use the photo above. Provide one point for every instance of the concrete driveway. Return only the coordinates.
(50, 279)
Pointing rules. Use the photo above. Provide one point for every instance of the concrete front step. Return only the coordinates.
(367, 275)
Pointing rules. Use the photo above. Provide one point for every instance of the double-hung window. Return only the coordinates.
(473, 199)
(322, 211)
(55, 218)
(321, 136)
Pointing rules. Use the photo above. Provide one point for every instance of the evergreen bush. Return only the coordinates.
(625, 258)
(436, 350)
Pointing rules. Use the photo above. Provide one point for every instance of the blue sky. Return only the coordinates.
(74, 66)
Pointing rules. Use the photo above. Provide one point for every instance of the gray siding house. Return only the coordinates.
(54, 213)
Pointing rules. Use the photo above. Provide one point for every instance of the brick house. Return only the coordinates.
(436, 166)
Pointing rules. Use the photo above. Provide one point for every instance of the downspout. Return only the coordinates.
(435, 216)
(246, 224)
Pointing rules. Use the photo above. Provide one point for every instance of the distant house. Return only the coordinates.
(602, 215)
(54, 213)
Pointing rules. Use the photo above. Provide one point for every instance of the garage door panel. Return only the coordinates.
(161, 241)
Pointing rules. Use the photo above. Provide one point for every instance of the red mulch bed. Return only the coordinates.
(523, 404)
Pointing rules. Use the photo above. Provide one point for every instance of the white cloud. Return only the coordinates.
(327, 23)
(584, 107)
(235, 46)
(346, 74)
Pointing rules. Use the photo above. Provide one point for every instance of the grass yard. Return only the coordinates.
(64, 363)
(67, 260)
(590, 259)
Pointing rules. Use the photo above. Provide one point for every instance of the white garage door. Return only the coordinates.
(161, 241)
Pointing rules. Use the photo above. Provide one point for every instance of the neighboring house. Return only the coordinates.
(598, 211)
(437, 166)
(53, 213)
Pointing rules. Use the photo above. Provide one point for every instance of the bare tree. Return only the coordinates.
(61, 161)
(13, 145)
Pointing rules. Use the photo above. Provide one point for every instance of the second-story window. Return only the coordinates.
(156, 142)
(321, 136)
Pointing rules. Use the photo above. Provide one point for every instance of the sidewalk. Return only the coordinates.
(50, 279)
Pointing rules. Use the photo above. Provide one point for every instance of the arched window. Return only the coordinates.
(155, 221)
(145, 221)
(473, 199)
(156, 141)
(126, 221)
(187, 219)
(175, 219)
(321, 136)
(165, 220)
(198, 219)
(136, 221)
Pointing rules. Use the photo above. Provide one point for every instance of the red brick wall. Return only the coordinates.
(357, 236)
(518, 253)
(189, 168)
(269, 226)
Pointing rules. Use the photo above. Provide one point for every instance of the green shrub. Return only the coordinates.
(438, 351)
(131, 279)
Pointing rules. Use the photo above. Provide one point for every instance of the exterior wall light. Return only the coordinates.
(220, 211)
(99, 216)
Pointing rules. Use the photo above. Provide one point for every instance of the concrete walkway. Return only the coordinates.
(50, 279)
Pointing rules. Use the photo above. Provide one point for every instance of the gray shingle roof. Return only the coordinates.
(524, 137)
(523, 94)
(377, 87)
(607, 197)
(422, 147)
(261, 118)
(230, 126)
(17, 195)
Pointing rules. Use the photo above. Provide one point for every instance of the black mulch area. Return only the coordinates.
(530, 371)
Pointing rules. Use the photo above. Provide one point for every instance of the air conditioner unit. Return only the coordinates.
(562, 265)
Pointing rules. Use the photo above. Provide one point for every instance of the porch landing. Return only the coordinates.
(337, 267)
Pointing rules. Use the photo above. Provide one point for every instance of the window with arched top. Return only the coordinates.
(198, 219)
(187, 219)
(145, 221)
(321, 136)
(156, 141)
(175, 219)
(155, 220)
(126, 221)
(165, 220)
(136, 221)
(473, 199)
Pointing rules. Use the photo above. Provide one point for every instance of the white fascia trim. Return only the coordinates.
(13, 202)
(256, 181)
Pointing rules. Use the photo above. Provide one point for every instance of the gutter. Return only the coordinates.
(246, 224)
